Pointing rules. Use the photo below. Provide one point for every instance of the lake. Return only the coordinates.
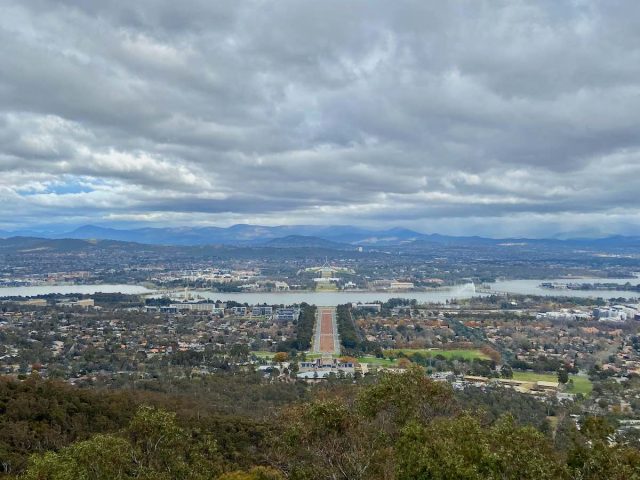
(532, 287)
(65, 289)
(525, 287)
(342, 297)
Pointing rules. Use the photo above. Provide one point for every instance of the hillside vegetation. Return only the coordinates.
(403, 426)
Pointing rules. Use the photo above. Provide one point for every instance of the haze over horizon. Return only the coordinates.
(498, 119)
(235, 233)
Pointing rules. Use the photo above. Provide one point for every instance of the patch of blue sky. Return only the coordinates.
(65, 186)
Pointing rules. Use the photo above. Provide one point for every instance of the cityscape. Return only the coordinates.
(304, 319)
(329, 240)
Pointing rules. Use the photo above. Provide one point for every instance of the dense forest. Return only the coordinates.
(400, 426)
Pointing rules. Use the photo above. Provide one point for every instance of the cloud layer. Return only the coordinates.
(496, 118)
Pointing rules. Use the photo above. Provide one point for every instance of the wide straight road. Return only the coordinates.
(326, 339)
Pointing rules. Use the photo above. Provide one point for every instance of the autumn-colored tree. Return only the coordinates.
(281, 357)
(491, 353)
(404, 362)
(347, 359)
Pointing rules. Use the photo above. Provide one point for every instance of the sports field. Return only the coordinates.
(466, 354)
(581, 384)
(386, 362)
(391, 356)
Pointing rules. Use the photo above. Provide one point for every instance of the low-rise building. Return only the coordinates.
(287, 314)
(261, 311)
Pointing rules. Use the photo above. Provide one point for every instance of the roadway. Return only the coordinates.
(326, 340)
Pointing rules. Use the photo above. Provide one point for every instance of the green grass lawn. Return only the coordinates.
(581, 384)
(392, 362)
(314, 356)
(448, 354)
(385, 362)
(267, 355)
(262, 354)
(535, 377)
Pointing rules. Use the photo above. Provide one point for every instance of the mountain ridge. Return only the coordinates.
(332, 236)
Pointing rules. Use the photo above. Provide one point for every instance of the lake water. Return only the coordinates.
(342, 297)
(65, 289)
(525, 287)
(532, 287)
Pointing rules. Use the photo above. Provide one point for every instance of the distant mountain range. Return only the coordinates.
(241, 235)
(331, 237)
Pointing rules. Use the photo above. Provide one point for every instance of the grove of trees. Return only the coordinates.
(396, 426)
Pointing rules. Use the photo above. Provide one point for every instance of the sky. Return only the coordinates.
(495, 118)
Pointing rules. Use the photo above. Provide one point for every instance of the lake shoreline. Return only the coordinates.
(329, 298)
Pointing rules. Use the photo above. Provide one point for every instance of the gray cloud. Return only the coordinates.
(499, 118)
